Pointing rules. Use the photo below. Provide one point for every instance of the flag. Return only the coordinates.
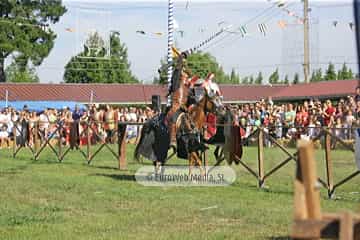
(175, 52)
(282, 24)
(176, 25)
(141, 32)
(351, 25)
(243, 31)
(262, 28)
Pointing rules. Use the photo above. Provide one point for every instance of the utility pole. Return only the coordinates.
(306, 41)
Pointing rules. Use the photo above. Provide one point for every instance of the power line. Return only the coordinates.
(273, 7)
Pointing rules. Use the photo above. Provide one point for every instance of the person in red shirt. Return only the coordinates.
(304, 116)
(328, 113)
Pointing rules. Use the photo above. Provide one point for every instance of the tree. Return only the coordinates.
(251, 80)
(234, 77)
(350, 74)
(316, 75)
(274, 77)
(245, 80)
(330, 73)
(14, 73)
(296, 79)
(319, 75)
(259, 78)
(200, 64)
(286, 80)
(345, 73)
(95, 68)
(25, 31)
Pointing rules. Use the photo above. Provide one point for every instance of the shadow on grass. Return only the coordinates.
(116, 176)
(279, 238)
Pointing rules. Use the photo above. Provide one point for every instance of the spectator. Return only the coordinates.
(328, 113)
(357, 94)
(4, 136)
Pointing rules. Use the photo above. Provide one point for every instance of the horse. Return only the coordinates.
(188, 121)
(190, 124)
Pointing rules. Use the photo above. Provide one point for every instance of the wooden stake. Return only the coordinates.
(14, 142)
(88, 141)
(261, 157)
(346, 227)
(328, 162)
(308, 173)
(122, 146)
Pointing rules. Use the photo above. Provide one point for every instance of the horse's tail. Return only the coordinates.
(142, 136)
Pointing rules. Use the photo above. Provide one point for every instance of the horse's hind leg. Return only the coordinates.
(197, 160)
(216, 152)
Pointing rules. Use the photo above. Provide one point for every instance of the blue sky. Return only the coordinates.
(280, 48)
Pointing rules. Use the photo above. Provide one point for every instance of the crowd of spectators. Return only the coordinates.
(283, 120)
(68, 125)
(301, 120)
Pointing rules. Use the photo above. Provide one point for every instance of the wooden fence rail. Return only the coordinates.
(260, 134)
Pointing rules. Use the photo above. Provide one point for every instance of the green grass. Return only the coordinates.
(45, 199)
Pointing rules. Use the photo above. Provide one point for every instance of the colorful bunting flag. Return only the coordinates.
(243, 31)
(282, 24)
(262, 28)
(351, 25)
(141, 32)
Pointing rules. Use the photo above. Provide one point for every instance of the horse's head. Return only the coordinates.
(208, 93)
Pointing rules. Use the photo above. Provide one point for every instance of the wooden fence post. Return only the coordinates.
(14, 142)
(122, 146)
(88, 140)
(329, 166)
(299, 195)
(261, 157)
(36, 136)
(60, 157)
(308, 173)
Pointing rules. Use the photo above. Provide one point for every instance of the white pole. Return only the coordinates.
(6, 98)
(91, 97)
(170, 44)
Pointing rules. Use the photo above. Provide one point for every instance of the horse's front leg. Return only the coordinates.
(197, 160)
(191, 164)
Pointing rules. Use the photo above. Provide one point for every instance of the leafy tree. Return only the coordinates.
(313, 77)
(274, 77)
(245, 80)
(319, 75)
(330, 73)
(316, 75)
(200, 64)
(296, 79)
(25, 31)
(286, 79)
(15, 73)
(234, 77)
(259, 78)
(345, 73)
(251, 80)
(350, 74)
(97, 69)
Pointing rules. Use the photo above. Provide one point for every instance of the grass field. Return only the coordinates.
(45, 199)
